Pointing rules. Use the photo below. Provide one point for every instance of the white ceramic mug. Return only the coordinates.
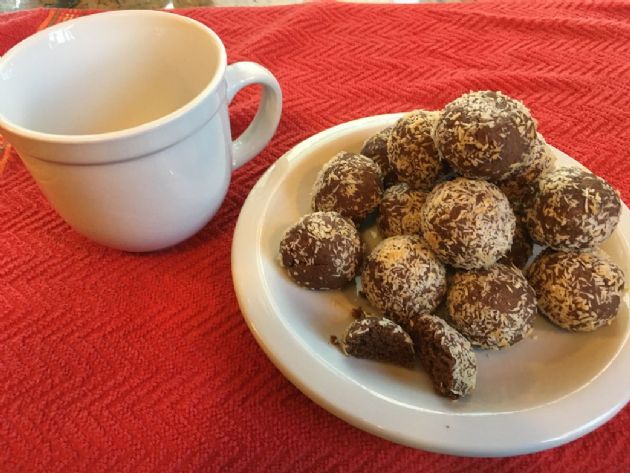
(122, 119)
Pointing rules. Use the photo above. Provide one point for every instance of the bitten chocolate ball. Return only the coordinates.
(350, 184)
(519, 188)
(412, 153)
(375, 148)
(322, 250)
(446, 354)
(493, 308)
(578, 291)
(403, 277)
(573, 209)
(400, 212)
(468, 223)
(380, 339)
(485, 135)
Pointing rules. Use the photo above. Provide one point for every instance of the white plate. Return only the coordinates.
(542, 392)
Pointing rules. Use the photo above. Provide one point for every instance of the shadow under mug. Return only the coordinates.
(122, 120)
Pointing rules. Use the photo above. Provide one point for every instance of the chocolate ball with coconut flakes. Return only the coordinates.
(412, 153)
(576, 290)
(322, 250)
(400, 211)
(519, 188)
(468, 223)
(350, 184)
(493, 308)
(572, 209)
(375, 148)
(402, 277)
(446, 354)
(485, 135)
(522, 246)
(379, 339)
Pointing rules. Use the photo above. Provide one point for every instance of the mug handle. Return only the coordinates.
(263, 126)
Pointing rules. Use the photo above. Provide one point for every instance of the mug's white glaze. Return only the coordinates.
(121, 118)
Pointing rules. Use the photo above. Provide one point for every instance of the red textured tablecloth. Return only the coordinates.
(131, 363)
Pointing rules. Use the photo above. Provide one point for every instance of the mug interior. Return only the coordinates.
(107, 72)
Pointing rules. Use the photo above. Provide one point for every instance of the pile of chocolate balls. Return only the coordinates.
(460, 197)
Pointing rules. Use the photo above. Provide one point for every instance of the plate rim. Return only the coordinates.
(285, 355)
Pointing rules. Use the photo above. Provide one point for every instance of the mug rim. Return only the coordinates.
(59, 138)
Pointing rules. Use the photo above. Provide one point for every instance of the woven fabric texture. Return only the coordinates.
(132, 363)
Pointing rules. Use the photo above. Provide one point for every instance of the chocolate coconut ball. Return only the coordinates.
(350, 184)
(522, 246)
(403, 277)
(375, 148)
(519, 188)
(322, 250)
(447, 356)
(493, 308)
(412, 153)
(485, 135)
(573, 209)
(578, 291)
(400, 211)
(468, 223)
(380, 339)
